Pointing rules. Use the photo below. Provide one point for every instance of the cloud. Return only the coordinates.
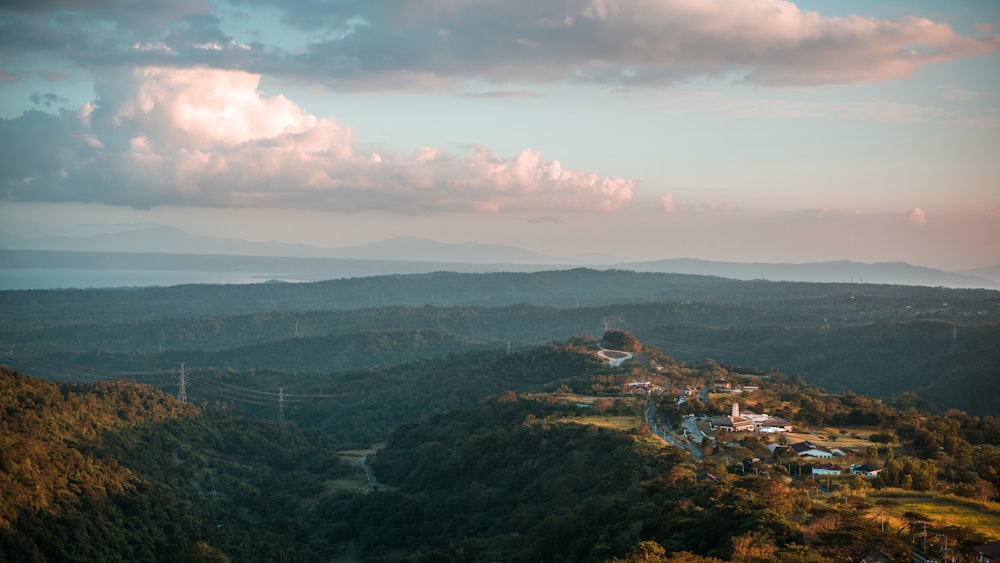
(716, 102)
(770, 42)
(667, 203)
(917, 217)
(47, 100)
(400, 44)
(543, 219)
(500, 94)
(208, 137)
(956, 93)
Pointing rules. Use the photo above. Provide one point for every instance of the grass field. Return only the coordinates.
(623, 423)
(359, 481)
(944, 510)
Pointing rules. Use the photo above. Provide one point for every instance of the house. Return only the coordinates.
(721, 386)
(988, 552)
(808, 449)
(640, 388)
(826, 469)
(767, 424)
(865, 470)
(773, 424)
(734, 422)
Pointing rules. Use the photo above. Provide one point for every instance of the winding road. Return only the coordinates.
(650, 415)
(363, 464)
(615, 358)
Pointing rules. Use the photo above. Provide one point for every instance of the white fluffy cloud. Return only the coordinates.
(208, 137)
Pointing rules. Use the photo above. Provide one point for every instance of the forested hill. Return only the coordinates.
(539, 455)
(568, 288)
(120, 472)
(117, 471)
(875, 339)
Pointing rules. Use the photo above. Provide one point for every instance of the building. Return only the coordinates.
(773, 424)
(865, 470)
(988, 552)
(826, 469)
(641, 388)
(734, 422)
(808, 449)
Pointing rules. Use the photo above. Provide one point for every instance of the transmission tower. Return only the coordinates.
(182, 387)
(281, 404)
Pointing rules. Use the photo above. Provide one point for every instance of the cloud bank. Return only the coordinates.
(198, 136)
(400, 44)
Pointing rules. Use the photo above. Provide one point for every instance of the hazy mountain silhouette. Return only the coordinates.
(414, 254)
(899, 273)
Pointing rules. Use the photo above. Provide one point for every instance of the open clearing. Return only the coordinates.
(623, 423)
(945, 510)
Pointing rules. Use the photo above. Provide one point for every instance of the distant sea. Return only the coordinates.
(58, 269)
(53, 278)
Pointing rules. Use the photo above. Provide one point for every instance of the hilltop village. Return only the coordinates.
(737, 422)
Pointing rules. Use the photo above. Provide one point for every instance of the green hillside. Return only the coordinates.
(118, 471)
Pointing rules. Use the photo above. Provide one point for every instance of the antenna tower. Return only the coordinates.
(281, 404)
(182, 386)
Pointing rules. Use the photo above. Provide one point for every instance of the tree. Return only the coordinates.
(856, 539)
(617, 339)
(647, 552)
(871, 454)
(753, 547)
(201, 552)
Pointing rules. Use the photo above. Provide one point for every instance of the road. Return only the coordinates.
(363, 464)
(615, 358)
(692, 427)
(668, 436)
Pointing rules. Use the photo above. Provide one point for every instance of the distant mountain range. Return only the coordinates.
(175, 241)
(843, 271)
(139, 249)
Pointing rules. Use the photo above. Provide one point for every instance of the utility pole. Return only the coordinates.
(281, 404)
(182, 387)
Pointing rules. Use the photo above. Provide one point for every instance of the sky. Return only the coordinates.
(750, 131)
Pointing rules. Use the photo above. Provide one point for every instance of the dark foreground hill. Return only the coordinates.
(118, 471)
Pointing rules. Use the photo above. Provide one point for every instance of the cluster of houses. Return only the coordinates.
(641, 388)
(750, 422)
(725, 386)
(865, 469)
(809, 450)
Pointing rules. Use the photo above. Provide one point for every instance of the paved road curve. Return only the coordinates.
(363, 464)
(667, 436)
